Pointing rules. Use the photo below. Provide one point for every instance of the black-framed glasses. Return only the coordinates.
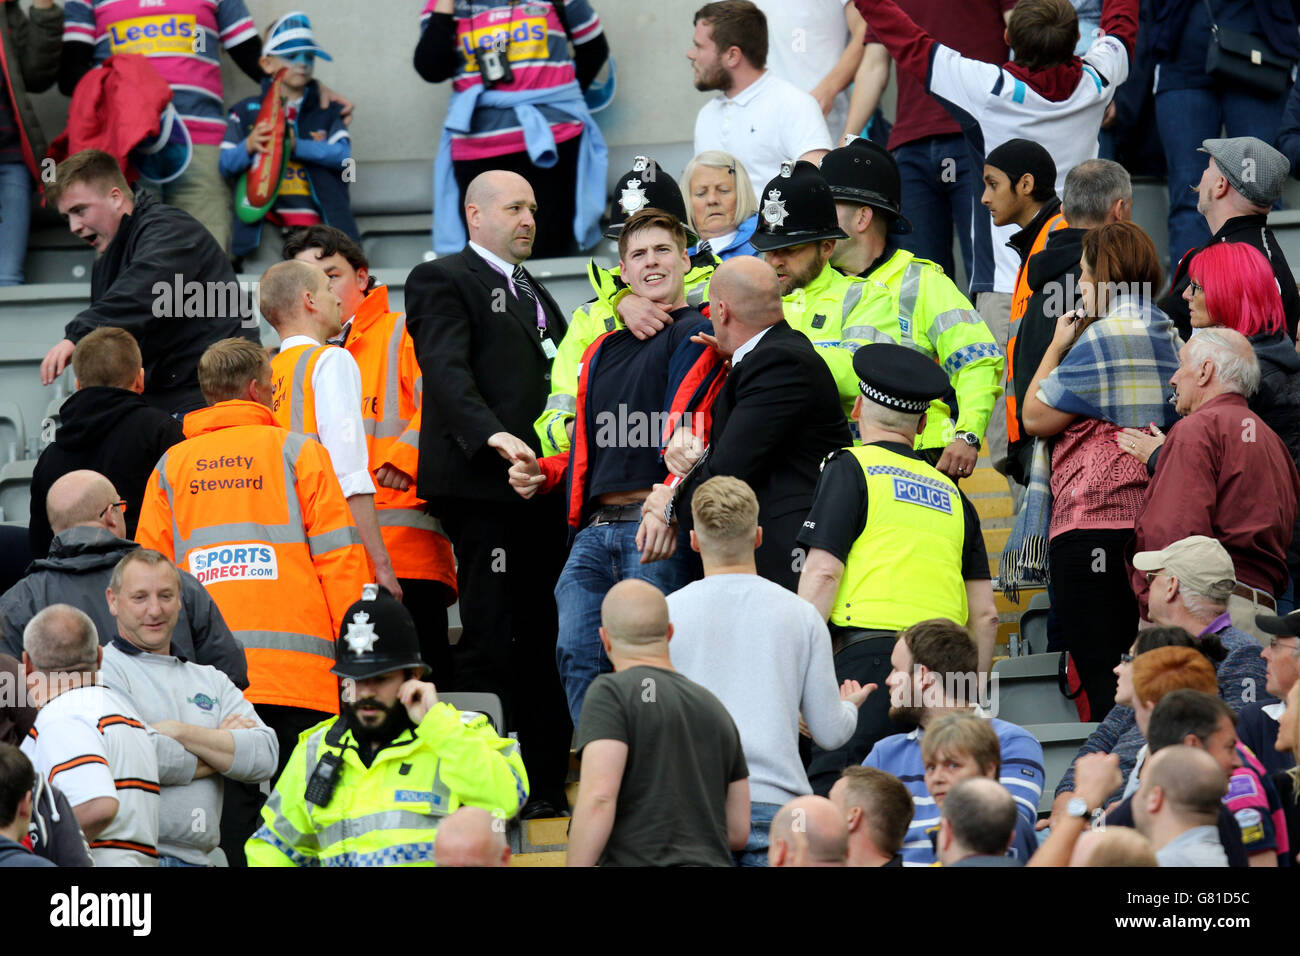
(1195, 288)
(112, 504)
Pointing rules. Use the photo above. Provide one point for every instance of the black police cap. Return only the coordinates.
(796, 207)
(898, 377)
(864, 172)
(644, 186)
(378, 635)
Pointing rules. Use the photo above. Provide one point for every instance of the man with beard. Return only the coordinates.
(404, 760)
(934, 674)
(757, 117)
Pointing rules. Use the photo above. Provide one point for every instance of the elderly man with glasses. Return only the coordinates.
(86, 514)
(1258, 724)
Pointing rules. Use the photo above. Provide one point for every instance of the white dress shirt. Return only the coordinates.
(336, 383)
(748, 347)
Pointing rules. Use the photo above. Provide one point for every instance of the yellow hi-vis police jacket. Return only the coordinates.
(590, 321)
(388, 814)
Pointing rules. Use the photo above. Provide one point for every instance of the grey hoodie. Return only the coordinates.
(77, 571)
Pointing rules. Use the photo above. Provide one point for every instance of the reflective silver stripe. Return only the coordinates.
(328, 541)
(562, 403)
(354, 827)
(282, 826)
(313, 744)
(945, 321)
(286, 641)
(910, 289)
(166, 486)
(867, 333)
(851, 298)
(297, 391)
(410, 441)
(392, 424)
(408, 518)
(695, 297)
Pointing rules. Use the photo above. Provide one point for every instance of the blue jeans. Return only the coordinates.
(1185, 118)
(15, 219)
(938, 180)
(601, 556)
(760, 827)
(177, 861)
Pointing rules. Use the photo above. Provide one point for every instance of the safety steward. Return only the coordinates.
(914, 303)
(371, 786)
(644, 186)
(891, 541)
(392, 387)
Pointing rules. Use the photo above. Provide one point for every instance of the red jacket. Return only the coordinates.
(113, 108)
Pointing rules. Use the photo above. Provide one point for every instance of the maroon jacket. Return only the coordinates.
(1225, 474)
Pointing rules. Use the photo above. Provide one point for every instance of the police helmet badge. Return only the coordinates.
(361, 634)
(633, 197)
(774, 211)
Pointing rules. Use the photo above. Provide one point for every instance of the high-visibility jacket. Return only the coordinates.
(391, 390)
(256, 513)
(388, 813)
(293, 400)
(905, 567)
(590, 321)
(1019, 303)
(925, 311)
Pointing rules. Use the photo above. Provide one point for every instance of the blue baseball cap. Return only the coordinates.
(292, 34)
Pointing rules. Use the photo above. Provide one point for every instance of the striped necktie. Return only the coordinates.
(522, 285)
(705, 249)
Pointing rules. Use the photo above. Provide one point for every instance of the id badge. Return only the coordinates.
(548, 348)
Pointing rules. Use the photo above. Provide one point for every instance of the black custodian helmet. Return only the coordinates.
(378, 635)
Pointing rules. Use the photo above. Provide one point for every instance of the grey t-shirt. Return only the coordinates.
(683, 753)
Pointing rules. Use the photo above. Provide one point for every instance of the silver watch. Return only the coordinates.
(969, 438)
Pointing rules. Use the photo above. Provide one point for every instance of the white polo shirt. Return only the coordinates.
(766, 123)
(804, 42)
(92, 743)
(336, 383)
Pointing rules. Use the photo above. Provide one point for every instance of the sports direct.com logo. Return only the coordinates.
(234, 563)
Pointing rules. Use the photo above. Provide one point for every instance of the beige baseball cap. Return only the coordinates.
(1199, 562)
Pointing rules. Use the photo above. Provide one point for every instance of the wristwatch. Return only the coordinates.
(969, 438)
(1077, 807)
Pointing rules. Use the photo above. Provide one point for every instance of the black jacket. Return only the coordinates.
(77, 572)
(1278, 403)
(1053, 276)
(109, 430)
(485, 371)
(775, 419)
(165, 280)
(1254, 231)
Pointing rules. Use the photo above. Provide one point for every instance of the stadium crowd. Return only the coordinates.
(705, 534)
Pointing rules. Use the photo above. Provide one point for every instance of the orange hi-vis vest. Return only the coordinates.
(1019, 304)
(293, 399)
(391, 390)
(256, 513)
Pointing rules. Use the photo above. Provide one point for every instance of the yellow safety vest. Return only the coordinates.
(905, 567)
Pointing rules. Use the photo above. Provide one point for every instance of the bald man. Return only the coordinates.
(664, 780)
(775, 419)
(472, 837)
(85, 512)
(808, 831)
(1177, 806)
(485, 333)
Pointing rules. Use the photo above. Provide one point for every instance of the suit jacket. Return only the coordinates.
(776, 418)
(485, 371)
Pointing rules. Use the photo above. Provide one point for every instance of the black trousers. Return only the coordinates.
(554, 189)
(780, 559)
(427, 602)
(509, 556)
(1095, 612)
(868, 663)
(241, 805)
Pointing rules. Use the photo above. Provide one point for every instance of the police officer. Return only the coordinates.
(797, 233)
(890, 542)
(912, 301)
(371, 786)
(615, 306)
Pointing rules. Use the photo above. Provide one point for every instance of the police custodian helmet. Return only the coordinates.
(865, 173)
(377, 636)
(647, 186)
(796, 207)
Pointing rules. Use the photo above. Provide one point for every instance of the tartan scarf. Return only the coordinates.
(1117, 371)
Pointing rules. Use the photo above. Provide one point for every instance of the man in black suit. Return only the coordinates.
(485, 333)
(776, 418)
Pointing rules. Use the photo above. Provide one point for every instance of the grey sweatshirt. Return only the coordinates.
(163, 687)
(766, 654)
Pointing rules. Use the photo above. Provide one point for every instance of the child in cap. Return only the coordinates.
(313, 187)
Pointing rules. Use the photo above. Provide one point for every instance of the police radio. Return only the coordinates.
(320, 788)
